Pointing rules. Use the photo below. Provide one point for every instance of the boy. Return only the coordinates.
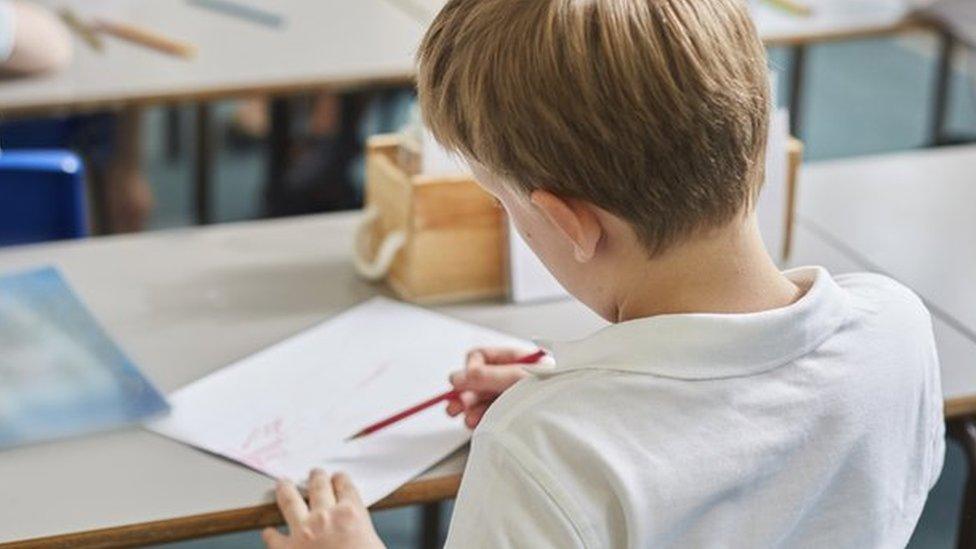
(730, 404)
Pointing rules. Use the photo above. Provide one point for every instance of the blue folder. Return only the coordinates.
(60, 373)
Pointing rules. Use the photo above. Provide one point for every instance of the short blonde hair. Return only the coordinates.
(654, 110)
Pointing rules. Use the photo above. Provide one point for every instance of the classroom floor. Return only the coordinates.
(861, 98)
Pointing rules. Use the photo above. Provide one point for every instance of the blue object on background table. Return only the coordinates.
(242, 11)
(60, 373)
(43, 196)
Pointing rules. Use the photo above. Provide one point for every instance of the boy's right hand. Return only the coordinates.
(488, 372)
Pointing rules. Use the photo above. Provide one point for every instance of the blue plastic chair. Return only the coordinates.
(42, 196)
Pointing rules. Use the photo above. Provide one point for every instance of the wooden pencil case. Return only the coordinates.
(431, 239)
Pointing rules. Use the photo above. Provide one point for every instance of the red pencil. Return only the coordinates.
(449, 395)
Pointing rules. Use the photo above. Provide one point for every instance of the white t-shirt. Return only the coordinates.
(815, 425)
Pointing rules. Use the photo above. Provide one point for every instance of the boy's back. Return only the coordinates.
(815, 425)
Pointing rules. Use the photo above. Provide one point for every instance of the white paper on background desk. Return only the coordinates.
(529, 279)
(771, 209)
(828, 15)
(290, 407)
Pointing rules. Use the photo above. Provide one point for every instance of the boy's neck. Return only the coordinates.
(727, 271)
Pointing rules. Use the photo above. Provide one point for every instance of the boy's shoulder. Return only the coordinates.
(866, 287)
(882, 302)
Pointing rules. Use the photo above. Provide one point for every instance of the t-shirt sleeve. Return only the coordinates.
(503, 503)
(7, 30)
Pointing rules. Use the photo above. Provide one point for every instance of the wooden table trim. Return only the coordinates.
(959, 407)
(225, 522)
(260, 516)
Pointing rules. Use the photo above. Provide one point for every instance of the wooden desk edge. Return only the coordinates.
(260, 516)
(960, 407)
(224, 522)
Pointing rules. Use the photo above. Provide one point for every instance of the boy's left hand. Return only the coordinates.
(333, 517)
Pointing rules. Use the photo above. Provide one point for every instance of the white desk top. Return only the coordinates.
(182, 304)
(339, 43)
(332, 43)
(910, 215)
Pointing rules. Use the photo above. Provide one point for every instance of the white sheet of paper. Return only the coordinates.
(438, 161)
(771, 208)
(530, 280)
(828, 15)
(290, 407)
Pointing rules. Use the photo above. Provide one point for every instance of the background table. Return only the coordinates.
(336, 44)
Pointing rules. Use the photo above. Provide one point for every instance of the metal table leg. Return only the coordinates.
(430, 535)
(795, 92)
(203, 169)
(174, 126)
(964, 431)
(278, 153)
(940, 101)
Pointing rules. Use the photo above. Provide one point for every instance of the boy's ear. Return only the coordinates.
(575, 219)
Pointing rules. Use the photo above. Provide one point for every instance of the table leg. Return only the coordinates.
(279, 152)
(203, 170)
(795, 92)
(98, 197)
(941, 97)
(964, 431)
(174, 125)
(430, 534)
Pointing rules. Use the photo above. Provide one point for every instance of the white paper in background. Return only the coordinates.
(771, 209)
(438, 161)
(290, 407)
(828, 15)
(529, 279)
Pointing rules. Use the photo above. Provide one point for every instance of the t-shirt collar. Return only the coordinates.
(706, 346)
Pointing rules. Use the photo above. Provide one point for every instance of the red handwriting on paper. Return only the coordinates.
(373, 375)
(264, 444)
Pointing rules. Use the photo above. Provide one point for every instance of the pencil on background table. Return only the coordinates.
(241, 11)
(146, 37)
(795, 7)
